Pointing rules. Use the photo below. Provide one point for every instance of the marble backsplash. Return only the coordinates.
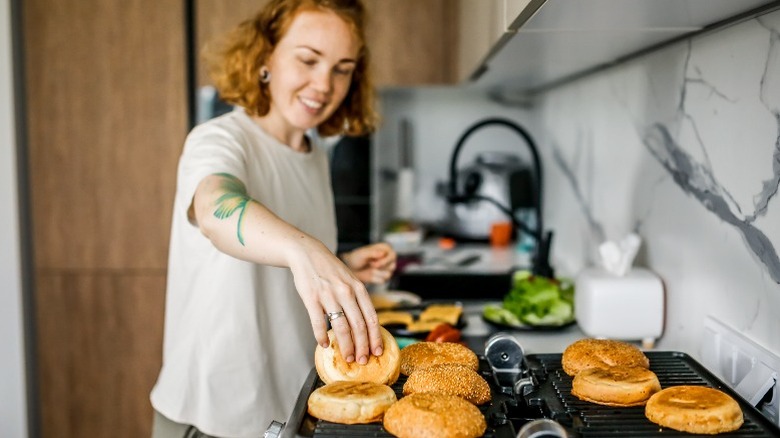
(681, 146)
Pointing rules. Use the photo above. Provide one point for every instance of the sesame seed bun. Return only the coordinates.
(433, 415)
(424, 354)
(451, 379)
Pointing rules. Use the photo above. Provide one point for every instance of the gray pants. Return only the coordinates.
(166, 428)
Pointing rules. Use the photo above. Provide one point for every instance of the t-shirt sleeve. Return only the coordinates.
(208, 150)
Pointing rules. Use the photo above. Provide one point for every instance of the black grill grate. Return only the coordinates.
(552, 398)
(592, 420)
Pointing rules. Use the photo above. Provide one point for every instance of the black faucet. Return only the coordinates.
(541, 259)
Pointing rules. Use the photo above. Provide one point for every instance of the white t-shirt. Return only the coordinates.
(238, 341)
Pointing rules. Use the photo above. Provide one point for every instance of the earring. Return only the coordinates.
(265, 75)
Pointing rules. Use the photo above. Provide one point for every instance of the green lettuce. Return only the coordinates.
(535, 300)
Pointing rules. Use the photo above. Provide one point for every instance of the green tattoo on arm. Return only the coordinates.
(234, 199)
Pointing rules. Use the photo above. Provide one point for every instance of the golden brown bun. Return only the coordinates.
(615, 386)
(388, 317)
(434, 416)
(383, 369)
(449, 313)
(424, 354)
(451, 379)
(601, 353)
(694, 409)
(351, 402)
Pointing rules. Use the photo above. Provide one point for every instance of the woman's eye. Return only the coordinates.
(309, 62)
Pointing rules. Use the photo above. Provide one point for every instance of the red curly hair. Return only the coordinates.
(234, 65)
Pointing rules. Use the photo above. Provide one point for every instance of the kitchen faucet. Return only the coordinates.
(541, 260)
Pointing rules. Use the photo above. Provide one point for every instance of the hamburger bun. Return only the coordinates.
(615, 386)
(384, 369)
(450, 379)
(424, 354)
(601, 353)
(434, 416)
(351, 402)
(694, 409)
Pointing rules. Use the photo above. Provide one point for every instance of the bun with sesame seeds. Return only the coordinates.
(425, 354)
(451, 379)
(434, 415)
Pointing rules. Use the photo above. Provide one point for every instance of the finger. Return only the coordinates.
(319, 325)
(357, 323)
(380, 276)
(372, 324)
(343, 335)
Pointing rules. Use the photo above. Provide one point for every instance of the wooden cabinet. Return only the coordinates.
(106, 117)
(213, 18)
(482, 26)
(412, 42)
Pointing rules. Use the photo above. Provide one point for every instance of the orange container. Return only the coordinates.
(500, 233)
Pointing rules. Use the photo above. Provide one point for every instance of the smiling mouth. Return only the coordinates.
(312, 104)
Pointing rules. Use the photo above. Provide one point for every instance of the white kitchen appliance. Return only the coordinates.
(628, 307)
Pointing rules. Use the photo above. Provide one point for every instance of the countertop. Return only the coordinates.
(477, 331)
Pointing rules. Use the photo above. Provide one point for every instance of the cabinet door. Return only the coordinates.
(212, 19)
(412, 42)
(481, 25)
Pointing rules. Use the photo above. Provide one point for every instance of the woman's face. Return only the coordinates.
(311, 69)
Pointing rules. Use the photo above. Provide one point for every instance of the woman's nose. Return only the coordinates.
(322, 81)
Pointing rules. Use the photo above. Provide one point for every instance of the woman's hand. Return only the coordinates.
(371, 263)
(243, 228)
(326, 286)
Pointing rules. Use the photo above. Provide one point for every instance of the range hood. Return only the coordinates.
(552, 42)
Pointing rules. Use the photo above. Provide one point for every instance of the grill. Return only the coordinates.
(550, 397)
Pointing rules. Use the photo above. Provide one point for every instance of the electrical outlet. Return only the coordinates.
(752, 370)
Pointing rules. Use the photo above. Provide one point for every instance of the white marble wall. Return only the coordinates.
(683, 147)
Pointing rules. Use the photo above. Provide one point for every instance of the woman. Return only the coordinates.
(251, 265)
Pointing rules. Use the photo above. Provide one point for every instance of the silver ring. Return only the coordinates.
(335, 315)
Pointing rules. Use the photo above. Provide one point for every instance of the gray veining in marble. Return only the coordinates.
(569, 174)
(697, 179)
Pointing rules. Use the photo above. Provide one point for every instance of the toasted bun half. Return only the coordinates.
(615, 386)
(351, 402)
(601, 353)
(424, 354)
(434, 416)
(451, 379)
(694, 409)
(383, 369)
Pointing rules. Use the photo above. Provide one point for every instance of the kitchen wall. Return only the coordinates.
(681, 146)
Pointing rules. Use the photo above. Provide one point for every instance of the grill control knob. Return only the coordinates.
(505, 356)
